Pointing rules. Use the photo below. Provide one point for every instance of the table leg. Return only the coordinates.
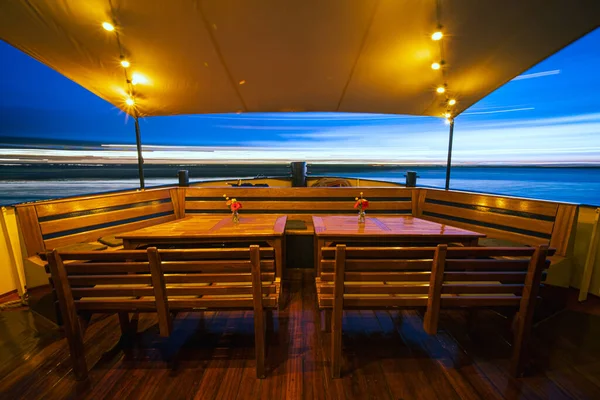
(472, 243)
(127, 245)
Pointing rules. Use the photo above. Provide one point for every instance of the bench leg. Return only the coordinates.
(520, 354)
(336, 343)
(74, 336)
(125, 324)
(259, 343)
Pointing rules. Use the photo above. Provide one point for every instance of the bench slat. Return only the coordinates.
(93, 235)
(171, 291)
(513, 221)
(283, 205)
(212, 254)
(110, 305)
(67, 224)
(486, 200)
(59, 207)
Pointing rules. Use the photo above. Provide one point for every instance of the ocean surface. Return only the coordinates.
(567, 184)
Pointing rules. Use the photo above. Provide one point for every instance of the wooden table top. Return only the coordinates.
(394, 226)
(262, 225)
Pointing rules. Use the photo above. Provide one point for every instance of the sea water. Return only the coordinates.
(572, 184)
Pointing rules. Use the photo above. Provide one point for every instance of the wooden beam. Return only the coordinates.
(430, 322)
(160, 293)
(259, 323)
(338, 309)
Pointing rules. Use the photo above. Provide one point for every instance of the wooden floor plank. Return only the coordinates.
(386, 355)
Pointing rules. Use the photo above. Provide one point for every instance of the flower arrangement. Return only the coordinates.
(234, 206)
(362, 205)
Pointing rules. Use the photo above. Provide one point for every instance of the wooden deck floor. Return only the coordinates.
(386, 356)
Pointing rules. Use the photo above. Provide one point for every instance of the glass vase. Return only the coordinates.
(361, 216)
(235, 217)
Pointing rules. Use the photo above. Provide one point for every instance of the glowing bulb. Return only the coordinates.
(437, 35)
(125, 63)
(441, 89)
(451, 102)
(109, 27)
(129, 101)
(436, 66)
(447, 115)
(138, 78)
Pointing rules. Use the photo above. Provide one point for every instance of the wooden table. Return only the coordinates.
(267, 228)
(381, 229)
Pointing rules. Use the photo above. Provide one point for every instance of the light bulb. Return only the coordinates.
(138, 78)
(451, 102)
(108, 26)
(125, 63)
(441, 89)
(129, 101)
(437, 35)
(447, 115)
(435, 65)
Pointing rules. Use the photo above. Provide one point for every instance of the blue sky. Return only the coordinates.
(549, 114)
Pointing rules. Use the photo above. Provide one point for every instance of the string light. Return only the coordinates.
(437, 35)
(435, 65)
(125, 64)
(451, 102)
(108, 26)
(440, 89)
(129, 101)
(447, 115)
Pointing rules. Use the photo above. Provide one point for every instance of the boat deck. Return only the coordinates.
(387, 355)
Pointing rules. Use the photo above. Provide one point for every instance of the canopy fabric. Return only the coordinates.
(216, 56)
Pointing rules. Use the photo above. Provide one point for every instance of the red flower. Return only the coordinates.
(362, 204)
(236, 206)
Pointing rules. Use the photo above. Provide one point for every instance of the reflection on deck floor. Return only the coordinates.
(386, 356)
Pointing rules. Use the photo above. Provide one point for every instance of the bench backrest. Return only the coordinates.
(432, 277)
(163, 280)
(50, 224)
(392, 200)
(528, 222)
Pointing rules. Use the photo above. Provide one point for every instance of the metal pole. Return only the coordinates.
(449, 163)
(138, 139)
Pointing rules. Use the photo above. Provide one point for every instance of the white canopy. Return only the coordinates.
(213, 56)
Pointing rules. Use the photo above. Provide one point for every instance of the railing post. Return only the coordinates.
(298, 173)
(184, 178)
(449, 163)
(138, 140)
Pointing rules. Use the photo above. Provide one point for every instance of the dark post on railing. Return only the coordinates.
(411, 178)
(298, 174)
(184, 177)
(138, 141)
(449, 162)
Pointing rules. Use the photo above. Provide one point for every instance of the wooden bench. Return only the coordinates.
(507, 221)
(162, 281)
(433, 278)
(60, 223)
